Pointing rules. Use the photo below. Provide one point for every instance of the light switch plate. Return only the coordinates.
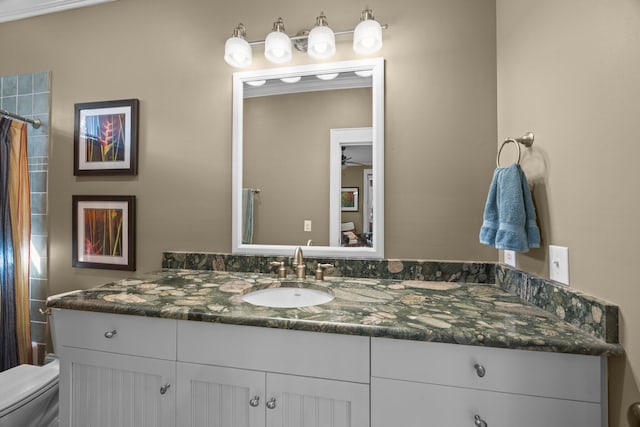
(559, 264)
(307, 225)
(510, 258)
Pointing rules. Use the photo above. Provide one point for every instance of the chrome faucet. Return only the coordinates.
(298, 263)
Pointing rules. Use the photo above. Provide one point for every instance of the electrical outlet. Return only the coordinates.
(510, 258)
(559, 264)
(307, 225)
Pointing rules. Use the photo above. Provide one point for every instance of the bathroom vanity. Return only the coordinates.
(181, 348)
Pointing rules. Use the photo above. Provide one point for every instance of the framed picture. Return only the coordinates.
(349, 199)
(105, 138)
(104, 232)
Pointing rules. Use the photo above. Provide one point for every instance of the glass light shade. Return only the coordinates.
(237, 52)
(277, 47)
(367, 37)
(321, 43)
(295, 79)
(256, 83)
(364, 73)
(328, 76)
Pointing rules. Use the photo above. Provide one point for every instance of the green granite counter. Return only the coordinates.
(460, 313)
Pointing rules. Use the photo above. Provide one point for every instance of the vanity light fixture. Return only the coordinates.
(277, 45)
(319, 43)
(237, 51)
(322, 41)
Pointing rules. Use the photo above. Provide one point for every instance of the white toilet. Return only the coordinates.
(29, 396)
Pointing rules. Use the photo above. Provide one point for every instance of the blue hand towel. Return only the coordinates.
(509, 215)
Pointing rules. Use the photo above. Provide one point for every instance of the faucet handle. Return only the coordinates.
(320, 270)
(282, 272)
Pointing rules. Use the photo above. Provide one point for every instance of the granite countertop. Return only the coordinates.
(459, 313)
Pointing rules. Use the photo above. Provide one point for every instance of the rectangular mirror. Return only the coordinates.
(308, 160)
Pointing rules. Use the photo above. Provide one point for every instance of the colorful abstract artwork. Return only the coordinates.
(103, 232)
(104, 137)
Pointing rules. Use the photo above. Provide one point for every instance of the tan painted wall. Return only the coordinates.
(286, 155)
(440, 116)
(570, 71)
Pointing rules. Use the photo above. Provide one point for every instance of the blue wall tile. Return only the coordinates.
(25, 84)
(10, 86)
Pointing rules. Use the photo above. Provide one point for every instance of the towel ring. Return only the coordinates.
(526, 140)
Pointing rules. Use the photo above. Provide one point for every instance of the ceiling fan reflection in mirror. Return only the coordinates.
(356, 155)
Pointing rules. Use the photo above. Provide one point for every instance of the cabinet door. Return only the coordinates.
(410, 404)
(101, 389)
(294, 401)
(214, 396)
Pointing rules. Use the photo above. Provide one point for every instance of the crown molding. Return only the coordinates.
(13, 10)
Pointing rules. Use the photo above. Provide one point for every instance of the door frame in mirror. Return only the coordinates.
(341, 138)
(376, 66)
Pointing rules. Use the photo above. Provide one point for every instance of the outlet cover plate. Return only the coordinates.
(559, 264)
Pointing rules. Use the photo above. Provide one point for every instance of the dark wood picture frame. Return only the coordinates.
(105, 138)
(104, 231)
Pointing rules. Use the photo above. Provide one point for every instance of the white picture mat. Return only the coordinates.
(104, 259)
(82, 146)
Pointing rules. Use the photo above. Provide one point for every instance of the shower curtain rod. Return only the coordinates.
(35, 122)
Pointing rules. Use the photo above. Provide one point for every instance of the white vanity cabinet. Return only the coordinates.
(455, 385)
(115, 370)
(134, 371)
(216, 396)
(239, 376)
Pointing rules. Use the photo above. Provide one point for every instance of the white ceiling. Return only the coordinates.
(358, 155)
(12, 10)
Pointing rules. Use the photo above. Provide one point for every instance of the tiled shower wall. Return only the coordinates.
(28, 96)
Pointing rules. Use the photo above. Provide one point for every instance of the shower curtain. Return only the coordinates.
(15, 235)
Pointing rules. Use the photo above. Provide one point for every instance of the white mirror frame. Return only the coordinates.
(376, 65)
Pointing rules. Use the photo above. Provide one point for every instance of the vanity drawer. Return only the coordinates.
(565, 376)
(115, 333)
(410, 404)
(312, 354)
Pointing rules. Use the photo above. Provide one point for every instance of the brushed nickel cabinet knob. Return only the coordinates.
(480, 370)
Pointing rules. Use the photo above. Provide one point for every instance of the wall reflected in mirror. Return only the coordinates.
(287, 155)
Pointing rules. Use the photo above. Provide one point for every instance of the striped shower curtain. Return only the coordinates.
(15, 234)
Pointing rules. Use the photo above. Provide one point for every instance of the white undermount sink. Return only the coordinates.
(289, 295)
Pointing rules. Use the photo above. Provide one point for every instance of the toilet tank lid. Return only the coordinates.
(19, 383)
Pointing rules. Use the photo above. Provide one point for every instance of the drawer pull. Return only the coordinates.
(271, 403)
(479, 422)
(480, 370)
(164, 388)
(255, 401)
(110, 334)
